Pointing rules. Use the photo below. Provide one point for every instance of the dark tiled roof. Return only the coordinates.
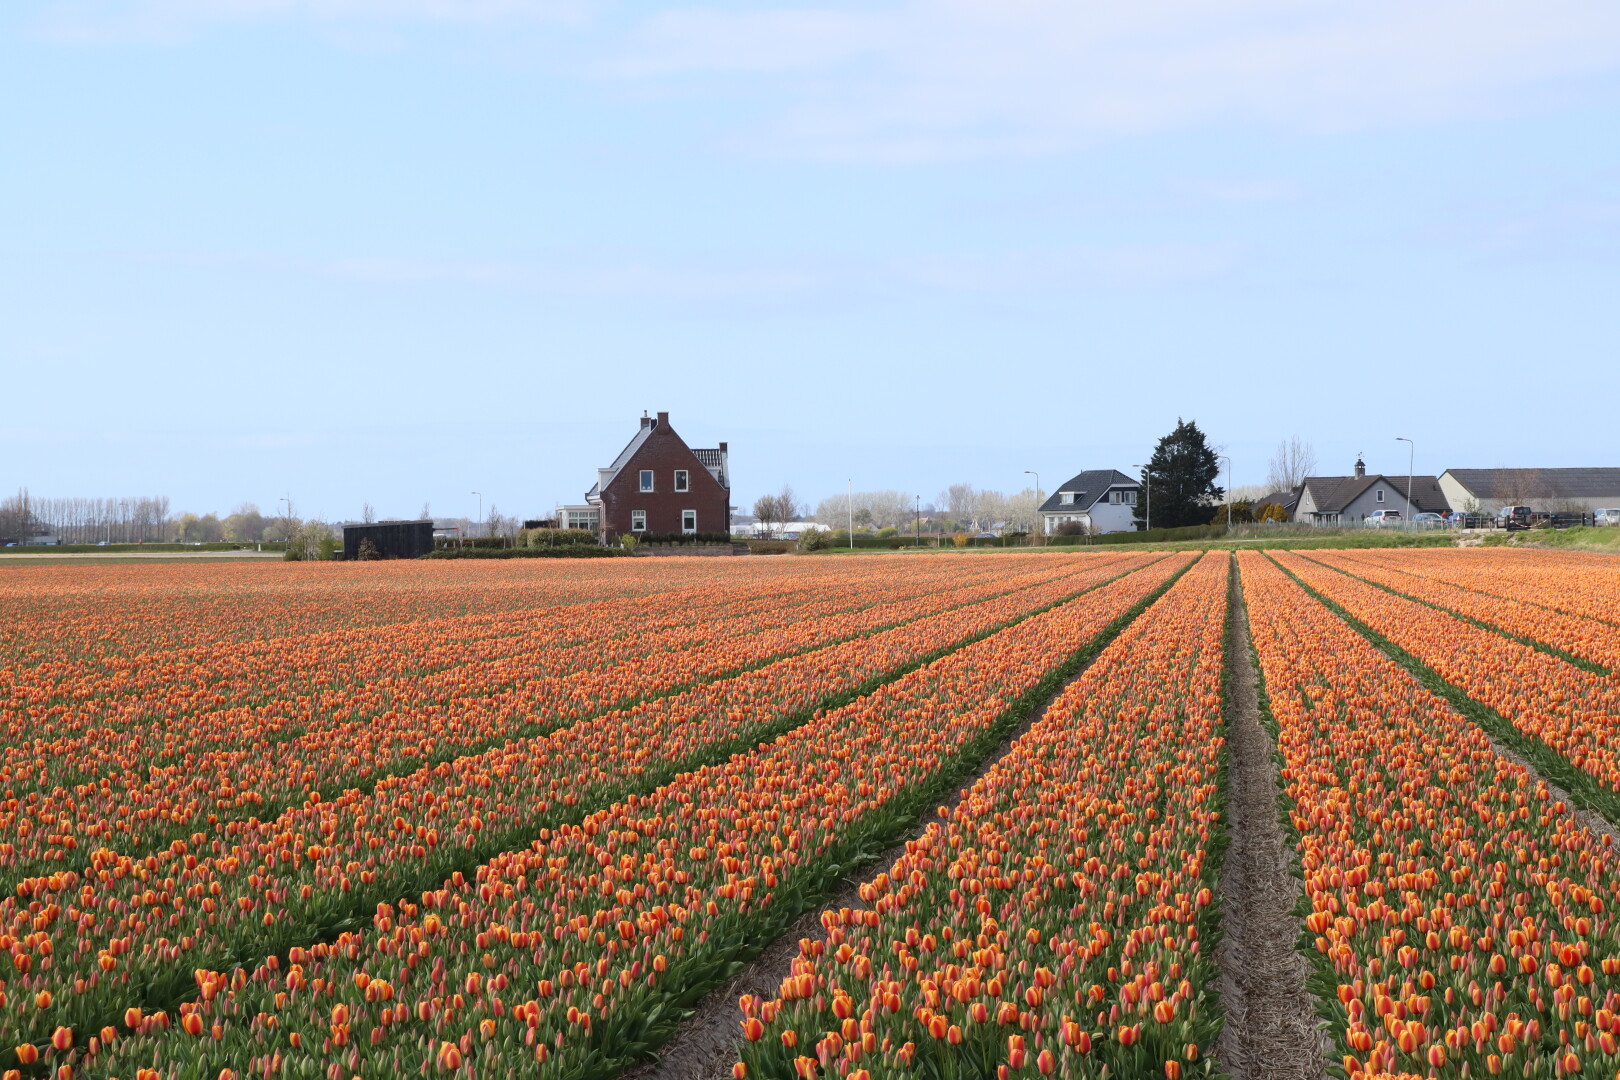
(1494, 484)
(1088, 487)
(1333, 493)
(715, 462)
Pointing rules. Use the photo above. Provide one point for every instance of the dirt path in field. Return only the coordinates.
(1269, 1031)
(703, 1048)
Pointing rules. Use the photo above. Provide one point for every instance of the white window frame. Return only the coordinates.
(689, 531)
(646, 480)
(1380, 495)
(683, 480)
(1065, 498)
(638, 521)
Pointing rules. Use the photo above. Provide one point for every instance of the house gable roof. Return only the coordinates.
(1088, 487)
(1333, 494)
(714, 460)
(1494, 484)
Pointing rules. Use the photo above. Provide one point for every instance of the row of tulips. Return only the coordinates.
(1592, 641)
(218, 674)
(1579, 583)
(173, 783)
(142, 687)
(566, 957)
(1460, 917)
(1054, 922)
(1561, 715)
(129, 930)
(86, 612)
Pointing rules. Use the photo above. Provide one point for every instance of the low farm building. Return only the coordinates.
(392, 539)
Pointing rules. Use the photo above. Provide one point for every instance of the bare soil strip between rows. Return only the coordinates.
(1269, 1031)
(704, 1046)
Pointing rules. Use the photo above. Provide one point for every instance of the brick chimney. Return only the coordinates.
(646, 421)
(663, 419)
(1361, 467)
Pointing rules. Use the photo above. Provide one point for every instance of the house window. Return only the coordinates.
(646, 479)
(688, 521)
(638, 521)
(1065, 498)
(682, 480)
(1122, 497)
(1380, 494)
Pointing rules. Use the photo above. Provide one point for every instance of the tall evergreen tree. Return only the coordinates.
(1181, 477)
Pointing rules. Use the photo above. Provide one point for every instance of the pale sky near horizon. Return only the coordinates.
(398, 251)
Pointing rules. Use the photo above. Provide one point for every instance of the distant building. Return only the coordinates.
(658, 484)
(392, 539)
(1099, 500)
(1574, 490)
(583, 516)
(1348, 500)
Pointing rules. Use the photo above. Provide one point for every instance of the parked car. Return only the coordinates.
(1607, 516)
(1427, 520)
(1382, 518)
(1515, 513)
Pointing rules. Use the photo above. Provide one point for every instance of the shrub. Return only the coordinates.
(770, 547)
(813, 539)
(368, 551)
(546, 538)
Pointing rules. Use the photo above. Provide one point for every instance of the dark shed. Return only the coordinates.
(394, 539)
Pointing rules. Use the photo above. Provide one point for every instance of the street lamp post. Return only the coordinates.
(1039, 532)
(1147, 486)
(480, 495)
(916, 541)
(1411, 462)
(1228, 461)
(851, 495)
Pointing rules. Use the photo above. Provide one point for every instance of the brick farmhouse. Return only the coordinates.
(658, 484)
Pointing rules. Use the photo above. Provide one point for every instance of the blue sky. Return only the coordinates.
(403, 250)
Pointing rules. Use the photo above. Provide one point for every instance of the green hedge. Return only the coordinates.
(677, 538)
(566, 551)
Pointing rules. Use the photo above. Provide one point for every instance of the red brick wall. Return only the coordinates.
(663, 453)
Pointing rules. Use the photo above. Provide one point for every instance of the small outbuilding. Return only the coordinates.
(391, 539)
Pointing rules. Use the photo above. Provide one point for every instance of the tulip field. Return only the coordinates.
(521, 819)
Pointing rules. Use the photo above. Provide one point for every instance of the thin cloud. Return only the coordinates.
(973, 78)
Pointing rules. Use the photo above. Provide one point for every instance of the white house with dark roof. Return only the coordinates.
(1099, 500)
(1348, 500)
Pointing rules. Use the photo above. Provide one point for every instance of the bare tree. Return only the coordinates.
(367, 513)
(772, 511)
(426, 513)
(962, 504)
(1291, 464)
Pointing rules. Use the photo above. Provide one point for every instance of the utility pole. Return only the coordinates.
(1411, 463)
(850, 493)
(1039, 537)
(917, 537)
(1147, 487)
(1228, 492)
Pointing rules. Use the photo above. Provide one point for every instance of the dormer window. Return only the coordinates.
(683, 480)
(1065, 498)
(646, 479)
